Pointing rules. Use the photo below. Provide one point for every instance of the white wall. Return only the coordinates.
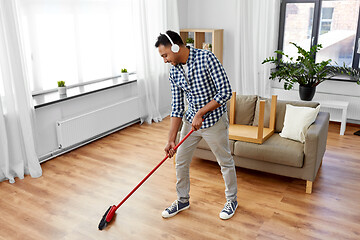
(217, 15)
(183, 13)
(164, 103)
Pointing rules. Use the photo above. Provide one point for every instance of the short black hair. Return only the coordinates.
(163, 40)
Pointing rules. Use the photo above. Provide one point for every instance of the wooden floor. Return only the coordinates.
(68, 201)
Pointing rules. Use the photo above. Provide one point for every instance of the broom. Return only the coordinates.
(109, 214)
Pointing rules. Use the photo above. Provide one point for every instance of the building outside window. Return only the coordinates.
(326, 19)
(333, 24)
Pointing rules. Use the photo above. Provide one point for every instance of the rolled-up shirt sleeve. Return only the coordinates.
(177, 104)
(220, 79)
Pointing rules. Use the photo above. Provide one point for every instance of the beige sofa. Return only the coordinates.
(276, 155)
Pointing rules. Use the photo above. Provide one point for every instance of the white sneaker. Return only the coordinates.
(228, 210)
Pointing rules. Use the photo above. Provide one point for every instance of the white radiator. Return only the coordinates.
(86, 126)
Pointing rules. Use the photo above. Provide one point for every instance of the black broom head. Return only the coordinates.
(103, 223)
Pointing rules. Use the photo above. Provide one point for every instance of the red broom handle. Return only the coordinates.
(150, 173)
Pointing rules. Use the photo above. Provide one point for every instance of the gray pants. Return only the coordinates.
(217, 137)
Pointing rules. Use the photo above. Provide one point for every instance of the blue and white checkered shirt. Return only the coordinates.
(207, 81)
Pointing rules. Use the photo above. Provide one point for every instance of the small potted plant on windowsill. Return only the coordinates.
(61, 87)
(302, 70)
(124, 74)
(190, 42)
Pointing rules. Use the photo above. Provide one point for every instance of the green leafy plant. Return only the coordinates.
(352, 72)
(61, 83)
(124, 70)
(303, 70)
(189, 40)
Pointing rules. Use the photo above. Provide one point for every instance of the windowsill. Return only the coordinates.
(342, 77)
(46, 99)
(338, 77)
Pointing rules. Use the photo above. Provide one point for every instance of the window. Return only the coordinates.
(298, 29)
(332, 23)
(77, 40)
(325, 21)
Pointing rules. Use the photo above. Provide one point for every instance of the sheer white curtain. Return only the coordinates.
(152, 18)
(17, 147)
(77, 40)
(255, 39)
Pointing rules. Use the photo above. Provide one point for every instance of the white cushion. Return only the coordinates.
(297, 121)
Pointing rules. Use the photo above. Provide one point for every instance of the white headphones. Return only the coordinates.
(174, 47)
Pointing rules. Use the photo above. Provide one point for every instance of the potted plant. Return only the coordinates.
(61, 87)
(190, 42)
(302, 70)
(124, 74)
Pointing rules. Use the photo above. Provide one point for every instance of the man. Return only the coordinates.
(198, 75)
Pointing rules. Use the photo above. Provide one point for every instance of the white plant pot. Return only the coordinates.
(62, 90)
(125, 76)
(190, 44)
